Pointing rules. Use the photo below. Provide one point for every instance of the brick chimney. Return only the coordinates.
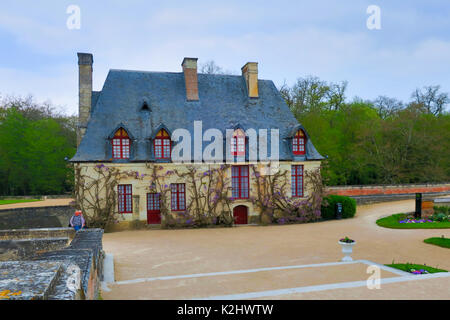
(190, 78)
(85, 61)
(250, 74)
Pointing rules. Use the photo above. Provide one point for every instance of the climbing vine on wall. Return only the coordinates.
(274, 201)
(209, 203)
(207, 192)
(95, 194)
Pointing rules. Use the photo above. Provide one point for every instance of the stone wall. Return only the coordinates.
(46, 274)
(389, 189)
(35, 217)
(384, 193)
(22, 249)
(140, 186)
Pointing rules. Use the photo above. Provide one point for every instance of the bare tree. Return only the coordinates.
(430, 97)
(336, 94)
(210, 67)
(311, 93)
(386, 106)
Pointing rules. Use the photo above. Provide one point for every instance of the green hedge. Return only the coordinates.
(348, 207)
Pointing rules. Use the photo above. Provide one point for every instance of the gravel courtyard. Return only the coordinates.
(155, 253)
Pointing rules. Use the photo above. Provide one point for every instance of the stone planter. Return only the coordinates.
(347, 249)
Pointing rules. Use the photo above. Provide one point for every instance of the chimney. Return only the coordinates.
(250, 74)
(190, 78)
(85, 61)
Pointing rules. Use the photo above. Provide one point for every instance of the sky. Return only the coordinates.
(289, 39)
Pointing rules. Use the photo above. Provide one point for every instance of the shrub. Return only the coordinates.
(442, 209)
(348, 207)
(440, 217)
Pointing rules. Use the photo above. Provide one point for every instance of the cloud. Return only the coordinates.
(289, 39)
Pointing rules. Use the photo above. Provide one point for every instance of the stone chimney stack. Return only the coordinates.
(250, 74)
(85, 61)
(190, 78)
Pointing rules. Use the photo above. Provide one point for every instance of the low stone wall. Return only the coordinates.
(389, 189)
(85, 251)
(23, 249)
(385, 193)
(35, 217)
(32, 279)
(16, 234)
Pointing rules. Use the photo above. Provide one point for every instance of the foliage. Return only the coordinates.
(34, 142)
(374, 142)
(441, 242)
(95, 195)
(440, 217)
(408, 267)
(12, 201)
(347, 240)
(348, 207)
(274, 202)
(442, 209)
(393, 223)
(209, 203)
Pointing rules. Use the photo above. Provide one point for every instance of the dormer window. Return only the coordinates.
(162, 145)
(121, 145)
(299, 143)
(238, 143)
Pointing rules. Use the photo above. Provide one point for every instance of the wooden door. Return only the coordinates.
(240, 215)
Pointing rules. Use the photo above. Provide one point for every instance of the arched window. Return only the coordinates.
(299, 143)
(162, 145)
(238, 143)
(121, 145)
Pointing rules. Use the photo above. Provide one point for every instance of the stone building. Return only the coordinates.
(177, 120)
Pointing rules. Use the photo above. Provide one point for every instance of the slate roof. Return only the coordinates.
(223, 104)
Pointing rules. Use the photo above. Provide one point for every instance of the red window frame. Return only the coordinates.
(153, 202)
(297, 181)
(238, 143)
(121, 145)
(178, 196)
(299, 143)
(240, 182)
(162, 145)
(125, 198)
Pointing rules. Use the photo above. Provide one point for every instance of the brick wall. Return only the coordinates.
(389, 189)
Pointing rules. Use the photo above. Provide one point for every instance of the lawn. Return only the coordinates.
(408, 266)
(441, 242)
(12, 201)
(393, 222)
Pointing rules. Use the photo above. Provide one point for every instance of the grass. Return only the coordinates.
(393, 223)
(441, 242)
(408, 266)
(12, 201)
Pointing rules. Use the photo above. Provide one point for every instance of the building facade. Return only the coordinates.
(185, 141)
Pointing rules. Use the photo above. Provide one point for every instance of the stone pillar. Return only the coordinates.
(85, 61)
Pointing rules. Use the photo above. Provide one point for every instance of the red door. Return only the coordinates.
(153, 212)
(240, 215)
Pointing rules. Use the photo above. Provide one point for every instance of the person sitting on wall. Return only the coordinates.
(77, 221)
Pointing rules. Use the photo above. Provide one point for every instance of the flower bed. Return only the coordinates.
(416, 221)
(403, 221)
(415, 268)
